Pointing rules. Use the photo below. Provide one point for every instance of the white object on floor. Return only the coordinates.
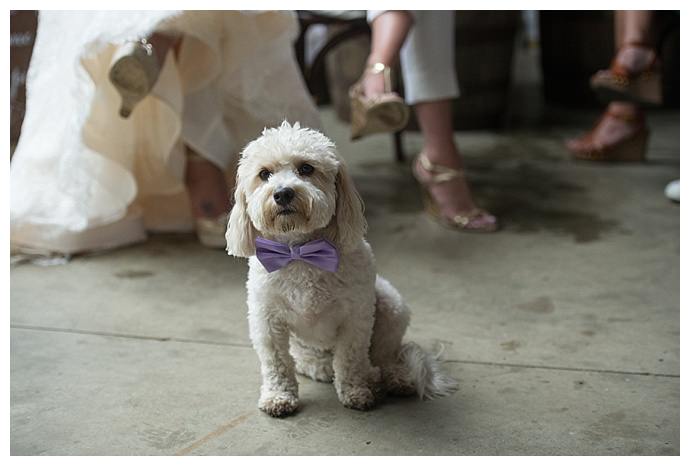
(672, 190)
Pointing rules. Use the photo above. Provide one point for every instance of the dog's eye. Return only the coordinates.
(264, 174)
(305, 169)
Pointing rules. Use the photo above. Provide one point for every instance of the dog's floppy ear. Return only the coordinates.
(240, 234)
(349, 220)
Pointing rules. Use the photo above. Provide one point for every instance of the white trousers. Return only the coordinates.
(427, 58)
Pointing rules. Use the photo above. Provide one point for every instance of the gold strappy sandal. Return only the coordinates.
(384, 113)
(476, 220)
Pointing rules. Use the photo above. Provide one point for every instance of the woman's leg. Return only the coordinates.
(388, 32)
(429, 74)
(453, 197)
(206, 186)
(634, 31)
(428, 68)
(632, 28)
(205, 181)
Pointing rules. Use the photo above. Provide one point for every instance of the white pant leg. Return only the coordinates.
(427, 58)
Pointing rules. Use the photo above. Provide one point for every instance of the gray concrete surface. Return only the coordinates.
(563, 328)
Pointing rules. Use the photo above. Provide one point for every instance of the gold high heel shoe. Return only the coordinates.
(384, 113)
(133, 72)
(476, 220)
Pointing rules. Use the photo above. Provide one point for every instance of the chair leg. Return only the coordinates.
(398, 147)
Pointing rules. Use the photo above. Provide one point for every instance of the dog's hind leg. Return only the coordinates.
(312, 362)
(406, 368)
(392, 319)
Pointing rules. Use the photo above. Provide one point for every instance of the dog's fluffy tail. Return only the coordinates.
(426, 373)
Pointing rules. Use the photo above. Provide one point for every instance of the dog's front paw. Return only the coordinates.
(278, 404)
(357, 397)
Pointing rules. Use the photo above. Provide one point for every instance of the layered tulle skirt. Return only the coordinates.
(82, 178)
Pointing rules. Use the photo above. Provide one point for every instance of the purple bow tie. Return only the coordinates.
(274, 255)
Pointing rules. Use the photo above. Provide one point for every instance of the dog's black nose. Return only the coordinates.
(283, 196)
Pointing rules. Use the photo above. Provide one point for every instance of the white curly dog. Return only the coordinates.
(316, 305)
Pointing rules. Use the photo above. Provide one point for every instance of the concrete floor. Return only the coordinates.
(563, 328)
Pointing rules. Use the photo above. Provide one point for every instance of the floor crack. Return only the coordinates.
(127, 335)
(560, 368)
(247, 345)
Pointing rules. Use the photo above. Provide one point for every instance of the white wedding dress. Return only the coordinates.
(82, 178)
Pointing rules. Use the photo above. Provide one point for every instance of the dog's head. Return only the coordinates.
(291, 183)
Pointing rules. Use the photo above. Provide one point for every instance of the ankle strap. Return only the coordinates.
(378, 68)
(623, 117)
(439, 173)
(621, 70)
(634, 43)
(145, 44)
